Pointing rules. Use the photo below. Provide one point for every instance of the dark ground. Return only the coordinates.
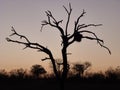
(51, 84)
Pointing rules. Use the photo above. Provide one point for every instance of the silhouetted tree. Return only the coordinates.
(3, 74)
(67, 40)
(113, 73)
(18, 73)
(80, 68)
(96, 76)
(37, 70)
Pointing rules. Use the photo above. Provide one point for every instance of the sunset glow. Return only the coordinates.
(26, 17)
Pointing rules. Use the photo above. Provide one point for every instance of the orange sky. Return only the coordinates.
(26, 17)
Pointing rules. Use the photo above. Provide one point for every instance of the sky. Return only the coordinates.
(26, 17)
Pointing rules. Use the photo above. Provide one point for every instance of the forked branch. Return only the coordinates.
(52, 22)
(85, 26)
(78, 19)
(21, 36)
(36, 46)
(68, 19)
(86, 31)
(27, 43)
(99, 42)
(46, 58)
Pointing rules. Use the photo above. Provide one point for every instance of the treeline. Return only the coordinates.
(79, 77)
(78, 71)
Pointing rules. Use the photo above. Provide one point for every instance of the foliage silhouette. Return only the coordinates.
(113, 73)
(66, 37)
(37, 70)
(3, 74)
(80, 68)
(18, 73)
(94, 81)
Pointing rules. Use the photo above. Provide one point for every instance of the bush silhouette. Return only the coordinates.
(18, 79)
(3, 74)
(37, 70)
(113, 74)
(18, 73)
(80, 68)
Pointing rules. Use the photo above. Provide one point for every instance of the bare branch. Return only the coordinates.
(60, 21)
(76, 25)
(52, 22)
(98, 40)
(70, 42)
(77, 21)
(28, 44)
(65, 9)
(69, 53)
(91, 33)
(73, 35)
(68, 20)
(107, 49)
(21, 36)
(49, 14)
(10, 40)
(46, 58)
(85, 26)
(91, 38)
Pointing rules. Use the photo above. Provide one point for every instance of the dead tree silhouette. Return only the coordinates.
(67, 40)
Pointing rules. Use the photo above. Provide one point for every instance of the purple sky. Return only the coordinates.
(26, 17)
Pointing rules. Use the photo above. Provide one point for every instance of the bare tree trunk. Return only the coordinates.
(54, 67)
(65, 68)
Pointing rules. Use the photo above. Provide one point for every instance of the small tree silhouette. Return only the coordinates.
(18, 73)
(113, 73)
(3, 74)
(67, 40)
(37, 70)
(80, 68)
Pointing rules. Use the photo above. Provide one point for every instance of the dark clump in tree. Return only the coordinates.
(37, 70)
(67, 40)
(78, 37)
